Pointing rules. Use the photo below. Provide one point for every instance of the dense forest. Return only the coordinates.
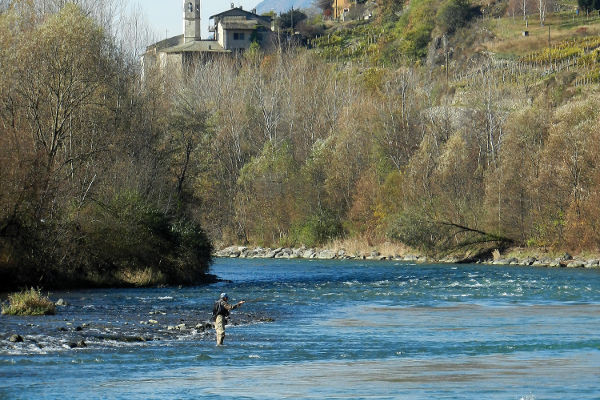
(89, 195)
(443, 131)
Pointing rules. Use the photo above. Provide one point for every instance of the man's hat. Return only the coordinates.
(224, 296)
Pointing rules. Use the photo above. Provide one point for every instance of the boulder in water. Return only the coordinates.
(204, 326)
(592, 264)
(326, 255)
(61, 303)
(566, 257)
(16, 338)
(272, 253)
(576, 264)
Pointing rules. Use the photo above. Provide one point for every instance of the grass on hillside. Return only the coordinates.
(28, 302)
(510, 42)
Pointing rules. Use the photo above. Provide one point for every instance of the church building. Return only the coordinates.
(233, 31)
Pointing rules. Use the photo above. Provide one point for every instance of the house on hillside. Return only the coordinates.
(236, 29)
(233, 31)
(345, 10)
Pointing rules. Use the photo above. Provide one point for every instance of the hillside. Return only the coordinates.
(455, 141)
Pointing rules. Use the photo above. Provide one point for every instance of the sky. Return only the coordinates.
(166, 16)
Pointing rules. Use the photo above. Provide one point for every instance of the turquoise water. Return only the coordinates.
(340, 330)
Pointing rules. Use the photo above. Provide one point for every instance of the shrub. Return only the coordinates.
(415, 27)
(317, 229)
(454, 14)
(291, 18)
(131, 237)
(414, 229)
(29, 302)
(589, 4)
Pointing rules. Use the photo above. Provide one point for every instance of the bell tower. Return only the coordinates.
(191, 20)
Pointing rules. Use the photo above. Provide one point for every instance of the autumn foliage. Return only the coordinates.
(85, 197)
(107, 178)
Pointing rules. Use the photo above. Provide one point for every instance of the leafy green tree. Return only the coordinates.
(264, 204)
(291, 18)
(325, 5)
(317, 229)
(589, 4)
(454, 14)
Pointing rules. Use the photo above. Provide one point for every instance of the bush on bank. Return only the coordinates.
(29, 302)
(124, 242)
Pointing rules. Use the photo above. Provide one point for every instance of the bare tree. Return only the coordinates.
(543, 6)
(520, 6)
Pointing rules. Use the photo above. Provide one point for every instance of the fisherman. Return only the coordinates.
(220, 313)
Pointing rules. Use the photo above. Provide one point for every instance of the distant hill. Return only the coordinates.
(282, 5)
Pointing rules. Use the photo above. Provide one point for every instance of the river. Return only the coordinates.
(320, 329)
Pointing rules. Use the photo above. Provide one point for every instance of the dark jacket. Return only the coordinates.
(222, 307)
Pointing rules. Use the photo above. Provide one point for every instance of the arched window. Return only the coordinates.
(190, 7)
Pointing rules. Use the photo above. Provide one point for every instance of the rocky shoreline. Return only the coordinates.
(566, 260)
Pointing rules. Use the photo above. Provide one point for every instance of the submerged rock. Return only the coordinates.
(75, 345)
(203, 326)
(126, 339)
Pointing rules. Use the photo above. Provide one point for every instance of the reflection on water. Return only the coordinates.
(340, 330)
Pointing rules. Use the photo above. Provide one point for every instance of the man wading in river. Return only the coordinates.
(220, 312)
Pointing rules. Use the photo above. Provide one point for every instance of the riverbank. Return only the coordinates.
(514, 256)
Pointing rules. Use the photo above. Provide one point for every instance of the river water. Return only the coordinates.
(321, 329)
